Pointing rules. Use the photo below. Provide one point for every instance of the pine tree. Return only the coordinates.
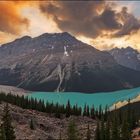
(115, 129)
(85, 110)
(97, 133)
(133, 119)
(106, 113)
(72, 132)
(139, 133)
(68, 109)
(2, 133)
(125, 131)
(88, 136)
(96, 113)
(102, 131)
(32, 125)
(92, 113)
(107, 130)
(7, 126)
(57, 111)
(100, 111)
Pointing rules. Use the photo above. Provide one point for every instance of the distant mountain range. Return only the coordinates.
(127, 57)
(60, 62)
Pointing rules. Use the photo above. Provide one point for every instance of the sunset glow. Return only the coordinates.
(114, 24)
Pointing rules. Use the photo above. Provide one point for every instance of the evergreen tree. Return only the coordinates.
(92, 113)
(120, 117)
(106, 113)
(139, 133)
(85, 110)
(97, 133)
(72, 132)
(68, 109)
(31, 103)
(100, 111)
(57, 111)
(97, 113)
(107, 130)
(32, 125)
(88, 136)
(7, 126)
(125, 131)
(133, 119)
(102, 130)
(2, 133)
(115, 129)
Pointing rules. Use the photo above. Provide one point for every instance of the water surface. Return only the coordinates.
(96, 99)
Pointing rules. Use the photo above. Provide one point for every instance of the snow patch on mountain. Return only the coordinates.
(65, 51)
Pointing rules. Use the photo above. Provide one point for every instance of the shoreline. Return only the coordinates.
(13, 90)
(120, 104)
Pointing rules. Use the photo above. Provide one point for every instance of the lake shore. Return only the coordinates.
(125, 102)
(13, 90)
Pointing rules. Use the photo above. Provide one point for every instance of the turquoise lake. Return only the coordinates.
(96, 99)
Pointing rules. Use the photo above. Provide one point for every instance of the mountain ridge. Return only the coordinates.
(60, 62)
(127, 57)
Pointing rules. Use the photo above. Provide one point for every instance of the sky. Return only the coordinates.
(102, 24)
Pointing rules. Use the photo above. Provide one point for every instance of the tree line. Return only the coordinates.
(118, 124)
(56, 109)
(111, 125)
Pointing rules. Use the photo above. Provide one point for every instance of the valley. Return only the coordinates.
(69, 70)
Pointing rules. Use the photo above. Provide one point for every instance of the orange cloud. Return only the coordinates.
(101, 24)
(11, 20)
(91, 19)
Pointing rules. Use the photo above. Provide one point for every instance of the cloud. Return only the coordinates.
(11, 20)
(81, 18)
(101, 23)
(130, 23)
(91, 18)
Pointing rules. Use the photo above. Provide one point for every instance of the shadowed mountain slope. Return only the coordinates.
(60, 62)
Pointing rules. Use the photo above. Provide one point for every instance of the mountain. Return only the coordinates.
(127, 57)
(60, 62)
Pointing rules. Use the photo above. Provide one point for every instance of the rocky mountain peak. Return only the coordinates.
(63, 35)
(127, 57)
(129, 48)
(60, 62)
(19, 41)
(24, 38)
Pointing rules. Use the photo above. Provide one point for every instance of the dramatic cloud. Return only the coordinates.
(103, 24)
(11, 20)
(130, 23)
(82, 18)
(91, 19)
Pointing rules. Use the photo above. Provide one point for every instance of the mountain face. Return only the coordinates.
(127, 57)
(60, 62)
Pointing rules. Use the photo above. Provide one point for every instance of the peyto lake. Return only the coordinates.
(96, 99)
